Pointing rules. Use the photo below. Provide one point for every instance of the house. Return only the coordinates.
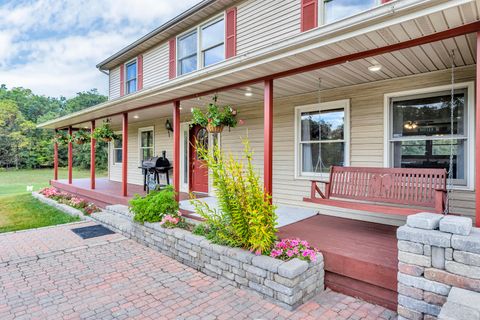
(376, 77)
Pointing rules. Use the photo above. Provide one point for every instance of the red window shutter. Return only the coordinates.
(231, 33)
(140, 72)
(122, 80)
(309, 15)
(172, 61)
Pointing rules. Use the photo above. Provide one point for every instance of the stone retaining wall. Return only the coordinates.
(435, 253)
(288, 284)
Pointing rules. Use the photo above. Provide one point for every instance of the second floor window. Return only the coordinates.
(131, 76)
(201, 47)
(187, 53)
(213, 47)
(334, 10)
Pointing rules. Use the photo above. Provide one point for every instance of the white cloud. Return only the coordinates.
(52, 46)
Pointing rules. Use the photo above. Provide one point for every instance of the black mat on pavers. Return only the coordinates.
(92, 231)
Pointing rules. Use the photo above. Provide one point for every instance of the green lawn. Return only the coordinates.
(19, 210)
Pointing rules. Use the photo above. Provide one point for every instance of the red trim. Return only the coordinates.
(477, 139)
(140, 72)
(172, 61)
(176, 147)
(385, 1)
(92, 156)
(268, 136)
(124, 154)
(231, 33)
(309, 15)
(70, 156)
(451, 33)
(122, 80)
(55, 159)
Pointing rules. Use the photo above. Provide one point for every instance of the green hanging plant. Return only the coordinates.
(80, 137)
(61, 137)
(104, 132)
(215, 118)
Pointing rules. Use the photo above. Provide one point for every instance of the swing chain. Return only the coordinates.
(450, 165)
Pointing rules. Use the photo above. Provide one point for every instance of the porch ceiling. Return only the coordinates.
(317, 45)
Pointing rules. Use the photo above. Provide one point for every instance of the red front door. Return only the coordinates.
(198, 169)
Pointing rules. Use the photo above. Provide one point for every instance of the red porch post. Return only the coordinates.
(124, 154)
(477, 139)
(55, 158)
(70, 155)
(92, 156)
(268, 136)
(176, 148)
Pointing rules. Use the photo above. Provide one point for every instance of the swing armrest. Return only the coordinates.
(440, 197)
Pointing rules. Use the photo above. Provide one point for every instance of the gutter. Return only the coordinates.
(162, 28)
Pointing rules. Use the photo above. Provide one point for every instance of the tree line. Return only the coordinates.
(23, 145)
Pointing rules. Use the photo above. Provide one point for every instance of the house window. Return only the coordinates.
(420, 132)
(117, 149)
(201, 47)
(322, 137)
(131, 76)
(334, 10)
(213, 48)
(187, 53)
(146, 145)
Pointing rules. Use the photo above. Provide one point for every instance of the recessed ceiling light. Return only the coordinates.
(248, 94)
(136, 117)
(375, 68)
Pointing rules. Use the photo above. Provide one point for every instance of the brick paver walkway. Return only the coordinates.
(53, 274)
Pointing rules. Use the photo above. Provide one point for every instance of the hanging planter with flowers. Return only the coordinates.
(80, 137)
(61, 137)
(215, 118)
(104, 132)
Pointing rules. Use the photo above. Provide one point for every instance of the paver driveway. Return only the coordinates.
(52, 273)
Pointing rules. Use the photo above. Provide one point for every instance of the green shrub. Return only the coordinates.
(200, 230)
(155, 205)
(246, 217)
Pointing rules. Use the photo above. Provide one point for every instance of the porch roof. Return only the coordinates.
(384, 26)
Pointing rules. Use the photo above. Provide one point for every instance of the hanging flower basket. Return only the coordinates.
(215, 118)
(80, 137)
(214, 129)
(104, 132)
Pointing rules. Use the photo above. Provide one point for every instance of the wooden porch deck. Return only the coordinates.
(360, 257)
(107, 192)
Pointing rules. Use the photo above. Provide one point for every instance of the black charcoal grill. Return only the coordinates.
(152, 168)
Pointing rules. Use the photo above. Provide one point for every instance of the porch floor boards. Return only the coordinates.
(106, 192)
(360, 257)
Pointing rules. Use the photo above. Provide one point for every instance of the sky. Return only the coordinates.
(53, 46)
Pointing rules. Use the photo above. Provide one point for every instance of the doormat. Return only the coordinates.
(92, 231)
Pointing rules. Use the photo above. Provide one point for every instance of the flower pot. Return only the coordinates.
(107, 139)
(214, 129)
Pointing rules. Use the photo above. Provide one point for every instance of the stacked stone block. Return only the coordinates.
(288, 284)
(435, 253)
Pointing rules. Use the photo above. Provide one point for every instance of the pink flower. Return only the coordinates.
(304, 243)
(290, 253)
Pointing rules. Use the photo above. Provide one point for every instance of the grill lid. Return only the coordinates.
(156, 162)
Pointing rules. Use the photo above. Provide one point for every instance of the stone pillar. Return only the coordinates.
(435, 253)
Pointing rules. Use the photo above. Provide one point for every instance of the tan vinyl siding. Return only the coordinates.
(366, 139)
(263, 22)
(114, 83)
(155, 65)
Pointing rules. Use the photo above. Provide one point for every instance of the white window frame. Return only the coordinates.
(112, 144)
(134, 60)
(322, 12)
(331, 105)
(198, 30)
(140, 148)
(470, 132)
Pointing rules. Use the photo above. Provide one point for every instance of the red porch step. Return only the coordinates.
(360, 257)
